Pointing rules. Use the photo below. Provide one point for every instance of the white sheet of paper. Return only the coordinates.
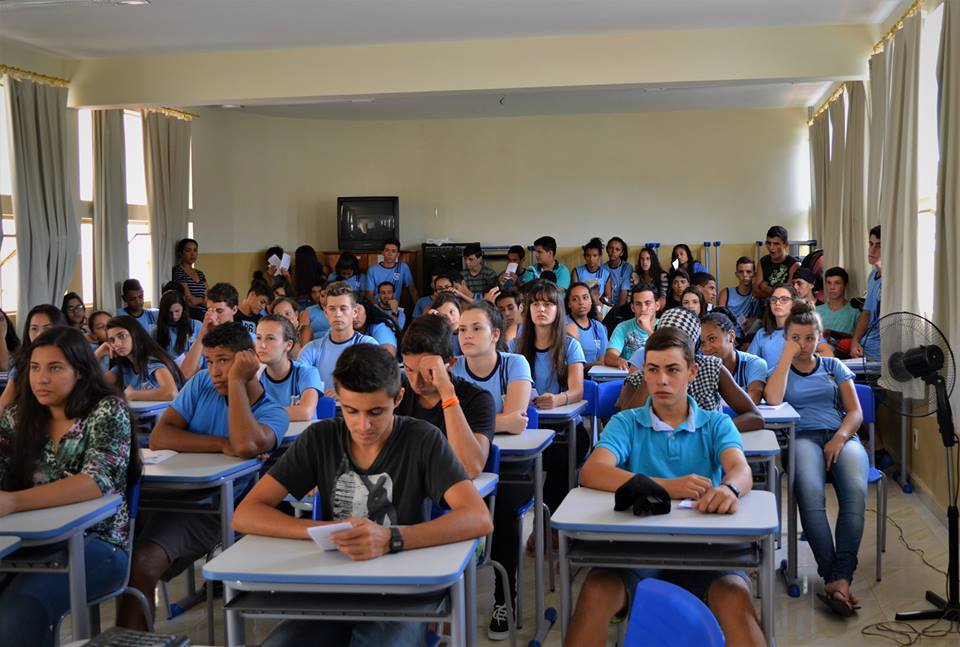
(274, 261)
(285, 262)
(154, 456)
(321, 534)
(511, 268)
(675, 263)
(686, 503)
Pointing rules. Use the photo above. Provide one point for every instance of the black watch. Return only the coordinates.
(734, 489)
(396, 540)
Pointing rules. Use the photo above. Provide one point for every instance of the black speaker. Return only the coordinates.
(448, 256)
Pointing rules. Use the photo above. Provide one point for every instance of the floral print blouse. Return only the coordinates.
(98, 446)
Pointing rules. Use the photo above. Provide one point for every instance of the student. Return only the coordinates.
(347, 270)
(68, 439)
(449, 306)
(545, 251)
(866, 334)
(222, 409)
(821, 390)
(307, 272)
(372, 321)
(708, 285)
(510, 305)
(650, 272)
(707, 465)
(804, 281)
(769, 340)
(313, 320)
(393, 270)
(98, 326)
(10, 341)
(712, 383)
(192, 280)
(139, 366)
(777, 266)
(838, 316)
(251, 308)
(175, 331)
(39, 319)
(461, 410)
(222, 302)
(592, 272)
(740, 300)
(133, 297)
(293, 385)
(281, 288)
(583, 324)
(685, 260)
(620, 270)
(289, 309)
(718, 339)
(693, 300)
(423, 303)
(74, 311)
(366, 448)
(388, 304)
(515, 255)
(630, 335)
(322, 353)
(480, 277)
(679, 281)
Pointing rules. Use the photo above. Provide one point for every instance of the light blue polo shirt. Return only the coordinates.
(147, 319)
(544, 375)
(287, 392)
(323, 354)
(627, 337)
(769, 346)
(749, 369)
(816, 395)
(318, 321)
(593, 339)
(510, 368)
(871, 340)
(357, 282)
(620, 277)
(422, 305)
(643, 444)
(206, 411)
(598, 278)
(383, 334)
(399, 275)
(172, 344)
(138, 382)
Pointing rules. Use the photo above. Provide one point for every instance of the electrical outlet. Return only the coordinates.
(916, 438)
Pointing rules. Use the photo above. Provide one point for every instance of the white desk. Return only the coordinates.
(762, 447)
(262, 575)
(685, 539)
(784, 416)
(149, 407)
(65, 523)
(520, 448)
(486, 483)
(606, 373)
(568, 413)
(295, 428)
(8, 544)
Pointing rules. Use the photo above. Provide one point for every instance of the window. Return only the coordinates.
(9, 274)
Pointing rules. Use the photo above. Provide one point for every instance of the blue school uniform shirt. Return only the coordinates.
(421, 306)
(172, 344)
(871, 340)
(206, 411)
(323, 354)
(136, 381)
(619, 278)
(534, 271)
(593, 339)
(319, 323)
(749, 369)
(598, 278)
(769, 346)
(742, 307)
(816, 395)
(287, 391)
(357, 282)
(383, 334)
(627, 337)
(544, 376)
(510, 368)
(399, 275)
(644, 444)
(147, 319)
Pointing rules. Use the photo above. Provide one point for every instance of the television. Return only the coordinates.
(365, 223)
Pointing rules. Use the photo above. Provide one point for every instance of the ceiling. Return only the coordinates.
(94, 28)
(661, 98)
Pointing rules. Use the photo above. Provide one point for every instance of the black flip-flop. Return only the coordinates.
(838, 605)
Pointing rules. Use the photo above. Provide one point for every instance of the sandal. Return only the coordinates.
(838, 603)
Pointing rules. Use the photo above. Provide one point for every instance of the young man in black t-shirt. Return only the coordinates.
(465, 413)
(777, 266)
(373, 469)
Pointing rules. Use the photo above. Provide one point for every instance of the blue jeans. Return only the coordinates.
(343, 633)
(849, 476)
(32, 603)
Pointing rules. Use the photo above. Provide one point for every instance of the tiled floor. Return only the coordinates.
(800, 621)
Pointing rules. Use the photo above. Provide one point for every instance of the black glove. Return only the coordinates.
(644, 495)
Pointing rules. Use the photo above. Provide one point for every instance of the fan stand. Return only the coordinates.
(945, 609)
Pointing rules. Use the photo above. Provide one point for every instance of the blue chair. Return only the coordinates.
(665, 614)
(326, 408)
(607, 395)
(533, 417)
(590, 390)
(874, 476)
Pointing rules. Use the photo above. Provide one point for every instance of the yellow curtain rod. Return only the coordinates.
(16, 72)
(171, 112)
(836, 94)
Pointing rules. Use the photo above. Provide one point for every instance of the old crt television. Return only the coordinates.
(365, 223)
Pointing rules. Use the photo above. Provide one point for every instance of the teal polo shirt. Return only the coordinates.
(644, 444)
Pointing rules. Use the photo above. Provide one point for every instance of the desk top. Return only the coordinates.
(861, 366)
(760, 443)
(196, 468)
(587, 510)
(294, 429)
(50, 523)
(149, 406)
(300, 561)
(600, 372)
(779, 413)
(529, 442)
(566, 412)
(8, 544)
(486, 483)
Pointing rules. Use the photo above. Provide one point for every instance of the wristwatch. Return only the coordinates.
(733, 488)
(396, 540)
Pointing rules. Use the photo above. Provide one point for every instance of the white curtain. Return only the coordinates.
(166, 152)
(44, 186)
(819, 163)
(947, 263)
(879, 97)
(110, 257)
(832, 235)
(853, 248)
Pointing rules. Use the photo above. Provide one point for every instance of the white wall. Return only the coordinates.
(648, 176)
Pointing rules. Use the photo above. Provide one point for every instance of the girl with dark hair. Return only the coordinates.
(583, 324)
(140, 366)
(371, 320)
(313, 320)
(194, 281)
(74, 311)
(306, 269)
(10, 342)
(347, 270)
(449, 306)
(273, 273)
(293, 385)
(769, 340)
(718, 338)
(685, 260)
(68, 438)
(175, 331)
(650, 272)
(282, 288)
(620, 270)
(39, 319)
(692, 299)
(592, 272)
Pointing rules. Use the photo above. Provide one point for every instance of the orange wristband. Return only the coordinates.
(446, 404)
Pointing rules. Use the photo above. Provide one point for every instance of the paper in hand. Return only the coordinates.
(321, 534)
(676, 263)
(685, 503)
(273, 261)
(285, 262)
(511, 268)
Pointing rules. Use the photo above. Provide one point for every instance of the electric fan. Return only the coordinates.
(917, 373)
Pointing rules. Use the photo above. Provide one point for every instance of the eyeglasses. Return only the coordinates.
(781, 300)
(78, 308)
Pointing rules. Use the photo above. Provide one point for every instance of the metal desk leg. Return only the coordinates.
(539, 536)
(226, 514)
(792, 586)
(766, 578)
(565, 587)
(572, 453)
(470, 607)
(79, 613)
(457, 614)
(233, 625)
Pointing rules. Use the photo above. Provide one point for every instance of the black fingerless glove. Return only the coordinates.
(644, 495)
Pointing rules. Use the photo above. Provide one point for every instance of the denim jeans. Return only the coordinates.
(835, 561)
(336, 633)
(32, 603)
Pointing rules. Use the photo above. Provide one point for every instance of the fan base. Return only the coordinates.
(943, 611)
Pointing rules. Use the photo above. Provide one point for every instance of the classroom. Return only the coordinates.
(458, 323)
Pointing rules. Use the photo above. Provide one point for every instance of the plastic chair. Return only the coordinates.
(326, 408)
(590, 390)
(874, 476)
(665, 614)
(607, 395)
(533, 417)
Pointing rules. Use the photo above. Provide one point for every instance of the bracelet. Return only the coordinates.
(450, 402)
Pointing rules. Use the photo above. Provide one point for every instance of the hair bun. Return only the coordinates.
(801, 307)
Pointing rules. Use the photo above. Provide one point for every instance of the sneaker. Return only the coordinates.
(499, 629)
